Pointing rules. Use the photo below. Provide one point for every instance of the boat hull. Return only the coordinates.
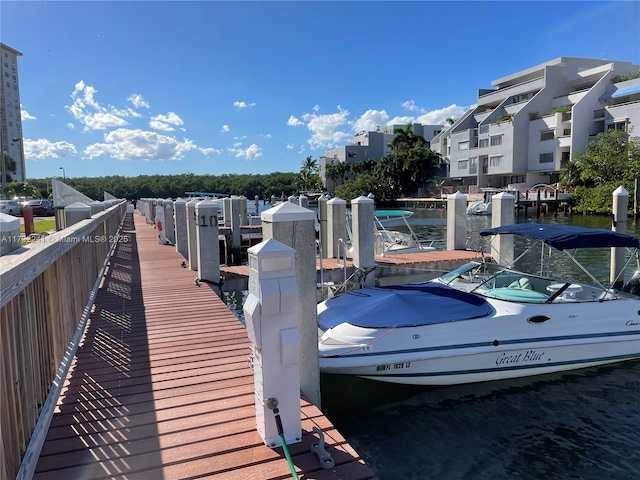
(508, 343)
(451, 368)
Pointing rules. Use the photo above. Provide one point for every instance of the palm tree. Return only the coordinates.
(308, 169)
(406, 139)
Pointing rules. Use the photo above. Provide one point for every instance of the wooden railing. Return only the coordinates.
(46, 290)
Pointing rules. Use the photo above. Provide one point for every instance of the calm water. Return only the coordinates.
(580, 425)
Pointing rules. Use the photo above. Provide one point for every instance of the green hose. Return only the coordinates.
(276, 414)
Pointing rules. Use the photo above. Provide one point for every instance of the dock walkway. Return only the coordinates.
(160, 387)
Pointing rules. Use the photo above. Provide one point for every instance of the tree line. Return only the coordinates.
(173, 186)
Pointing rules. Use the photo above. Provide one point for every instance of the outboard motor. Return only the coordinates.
(633, 285)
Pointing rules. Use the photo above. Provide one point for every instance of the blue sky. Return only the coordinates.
(143, 87)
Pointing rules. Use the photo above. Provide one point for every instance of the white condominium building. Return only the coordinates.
(522, 131)
(13, 168)
(371, 145)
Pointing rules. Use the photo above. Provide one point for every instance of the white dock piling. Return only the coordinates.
(620, 212)
(336, 226)
(294, 226)
(207, 240)
(363, 229)
(457, 221)
(503, 212)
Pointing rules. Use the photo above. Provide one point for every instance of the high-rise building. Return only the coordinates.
(12, 162)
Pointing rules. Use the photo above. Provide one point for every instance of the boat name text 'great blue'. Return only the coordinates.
(528, 356)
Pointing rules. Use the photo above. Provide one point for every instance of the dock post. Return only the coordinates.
(170, 228)
(76, 212)
(363, 229)
(160, 224)
(303, 201)
(226, 211)
(503, 213)
(192, 241)
(294, 226)
(457, 221)
(235, 218)
(271, 313)
(336, 226)
(620, 212)
(208, 243)
(180, 221)
(322, 219)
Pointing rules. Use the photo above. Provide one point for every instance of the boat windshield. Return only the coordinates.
(514, 286)
(472, 273)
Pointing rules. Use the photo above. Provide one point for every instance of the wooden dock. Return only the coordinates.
(427, 264)
(160, 387)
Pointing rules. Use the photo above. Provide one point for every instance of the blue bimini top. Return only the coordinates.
(408, 305)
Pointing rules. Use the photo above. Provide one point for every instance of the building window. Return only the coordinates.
(462, 164)
(483, 142)
(352, 154)
(463, 145)
(495, 161)
(483, 129)
(546, 158)
(496, 140)
(473, 165)
(617, 126)
(546, 135)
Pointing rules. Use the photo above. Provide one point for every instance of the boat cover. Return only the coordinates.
(567, 237)
(407, 305)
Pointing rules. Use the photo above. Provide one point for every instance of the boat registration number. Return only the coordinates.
(393, 366)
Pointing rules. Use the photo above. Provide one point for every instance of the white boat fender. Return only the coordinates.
(326, 460)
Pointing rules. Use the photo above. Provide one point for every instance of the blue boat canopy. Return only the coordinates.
(402, 306)
(567, 237)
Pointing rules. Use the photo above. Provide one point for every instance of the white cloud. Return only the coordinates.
(439, 117)
(294, 121)
(252, 152)
(409, 105)
(127, 144)
(226, 128)
(208, 150)
(324, 127)
(26, 115)
(166, 122)
(243, 104)
(41, 149)
(371, 120)
(289, 146)
(92, 114)
(404, 120)
(138, 101)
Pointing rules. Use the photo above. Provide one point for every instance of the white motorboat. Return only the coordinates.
(477, 325)
(388, 241)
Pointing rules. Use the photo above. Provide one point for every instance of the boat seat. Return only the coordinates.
(522, 282)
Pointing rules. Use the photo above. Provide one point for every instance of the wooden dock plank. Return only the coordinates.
(161, 387)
